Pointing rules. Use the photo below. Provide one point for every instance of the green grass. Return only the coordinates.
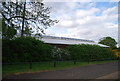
(46, 66)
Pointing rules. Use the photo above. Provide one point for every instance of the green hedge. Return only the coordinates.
(25, 49)
(85, 51)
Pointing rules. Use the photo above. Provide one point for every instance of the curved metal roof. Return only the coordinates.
(67, 41)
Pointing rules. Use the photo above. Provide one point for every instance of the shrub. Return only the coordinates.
(25, 49)
(85, 51)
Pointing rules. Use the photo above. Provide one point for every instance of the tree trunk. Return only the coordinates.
(23, 22)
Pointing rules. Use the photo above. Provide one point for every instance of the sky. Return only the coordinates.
(84, 20)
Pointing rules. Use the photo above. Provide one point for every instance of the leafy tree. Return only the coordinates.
(56, 53)
(7, 31)
(108, 41)
(60, 54)
(26, 16)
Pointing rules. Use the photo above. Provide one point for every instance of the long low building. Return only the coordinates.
(64, 41)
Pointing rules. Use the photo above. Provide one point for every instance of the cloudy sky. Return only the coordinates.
(84, 20)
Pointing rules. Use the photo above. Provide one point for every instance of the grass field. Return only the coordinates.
(44, 66)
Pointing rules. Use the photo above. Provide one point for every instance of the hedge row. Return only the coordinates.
(26, 49)
(85, 51)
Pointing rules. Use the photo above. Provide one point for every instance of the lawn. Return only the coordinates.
(44, 66)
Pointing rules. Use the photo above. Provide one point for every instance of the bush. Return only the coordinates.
(85, 51)
(25, 49)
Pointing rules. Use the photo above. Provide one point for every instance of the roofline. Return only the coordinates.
(68, 38)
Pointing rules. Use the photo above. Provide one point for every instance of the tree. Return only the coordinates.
(26, 15)
(56, 53)
(8, 32)
(108, 41)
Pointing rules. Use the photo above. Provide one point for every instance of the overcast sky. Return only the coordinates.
(84, 20)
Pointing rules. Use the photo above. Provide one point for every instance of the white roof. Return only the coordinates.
(68, 41)
(103, 45)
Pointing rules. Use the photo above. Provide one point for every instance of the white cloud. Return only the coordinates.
(67, 0)
(89, 12)
(111, 25)
(66, 23)
(110, 11)
(114, 0)
(84, 21)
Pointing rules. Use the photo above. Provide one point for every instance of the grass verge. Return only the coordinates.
(44, 66)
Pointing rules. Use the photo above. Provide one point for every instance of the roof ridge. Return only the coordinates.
(67, 38)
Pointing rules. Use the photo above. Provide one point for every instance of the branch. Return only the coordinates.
(4, 16)
(19, 17)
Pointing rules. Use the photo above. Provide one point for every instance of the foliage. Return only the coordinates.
(109, 42)
(85, 51)
(24, 16)
(118, 49)
(56, 53)
(117, 53)
(25, 49)
(60, 54)
(7, 31)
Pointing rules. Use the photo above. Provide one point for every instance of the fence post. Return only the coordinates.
(88, 61)
(54, 63)
(74, 62)
(30, 65)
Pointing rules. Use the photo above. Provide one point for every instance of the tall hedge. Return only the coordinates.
(85, 51)
(25, 49)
